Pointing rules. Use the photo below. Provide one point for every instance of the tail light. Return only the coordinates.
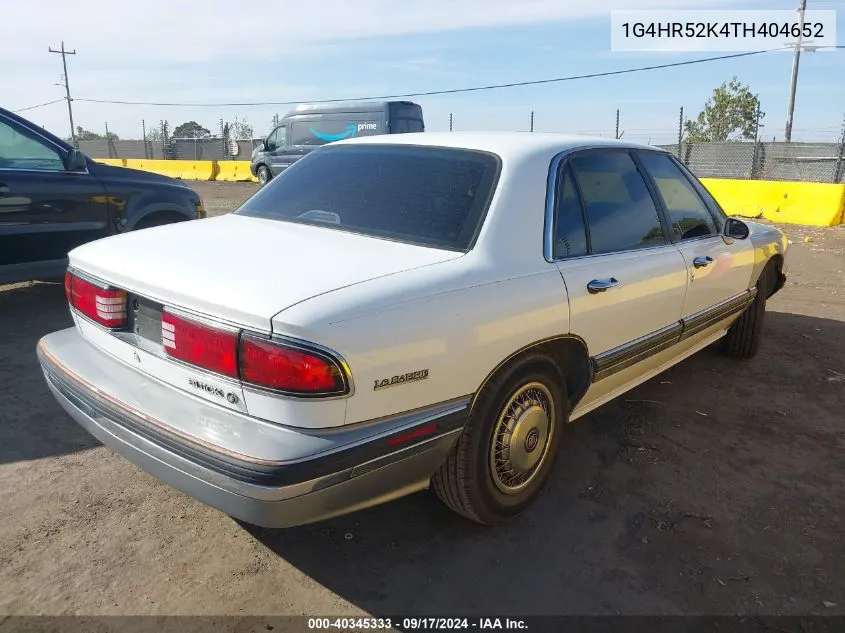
(289, 369)
(106, 306)
(211, 348)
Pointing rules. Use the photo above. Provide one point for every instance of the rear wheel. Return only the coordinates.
(743, 337)
(506, 452)
(263, 174)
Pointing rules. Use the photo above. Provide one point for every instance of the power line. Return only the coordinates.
(40, 105)
(431, 93)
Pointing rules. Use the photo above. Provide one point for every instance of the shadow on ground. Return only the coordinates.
(32, 424)
(704, 490)
(714, 488)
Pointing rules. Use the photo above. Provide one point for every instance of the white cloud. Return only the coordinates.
(164, 30)
(166, 50)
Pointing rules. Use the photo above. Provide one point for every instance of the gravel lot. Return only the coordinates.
(715, 488)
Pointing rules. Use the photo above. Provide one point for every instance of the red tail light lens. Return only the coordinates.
(275, 366)
(68, 285)
(201, 345)
(102, 305)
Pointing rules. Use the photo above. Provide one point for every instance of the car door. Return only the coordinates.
(277, 146)
(719, 269)
(625, 280)
(45, 209)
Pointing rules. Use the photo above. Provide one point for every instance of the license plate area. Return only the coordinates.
(146, 321)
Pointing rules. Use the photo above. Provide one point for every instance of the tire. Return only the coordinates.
(264, 175)
(158, 219)
(743, 337)
(487, 490)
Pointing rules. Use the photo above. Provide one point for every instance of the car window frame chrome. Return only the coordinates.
(558, 163)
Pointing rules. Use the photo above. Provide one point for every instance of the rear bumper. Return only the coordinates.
(348, 469)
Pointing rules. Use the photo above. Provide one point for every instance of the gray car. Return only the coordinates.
(307, 127)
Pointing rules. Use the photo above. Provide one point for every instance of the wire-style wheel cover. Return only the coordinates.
(521, 438)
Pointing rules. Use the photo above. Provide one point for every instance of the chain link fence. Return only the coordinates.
(213, 148)
(806, 162)
(757, 160)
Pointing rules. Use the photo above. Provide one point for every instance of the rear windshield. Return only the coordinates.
(423, 195)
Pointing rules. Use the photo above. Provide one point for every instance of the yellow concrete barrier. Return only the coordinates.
(816, 204)
(234, 171)
(198, 169)
(183, 169)
(114, 162)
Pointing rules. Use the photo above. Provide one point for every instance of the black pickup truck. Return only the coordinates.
(54, 198)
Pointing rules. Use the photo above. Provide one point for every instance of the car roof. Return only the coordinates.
(505, 144)
(342, 106)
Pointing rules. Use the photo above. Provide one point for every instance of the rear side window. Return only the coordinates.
(689, 218)
(570, 236)
(621, 213)
(423, 195)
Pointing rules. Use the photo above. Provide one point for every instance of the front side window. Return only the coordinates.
(22, 150)
(621, 213)
(273, 139)
(689, 218)
(422, 195)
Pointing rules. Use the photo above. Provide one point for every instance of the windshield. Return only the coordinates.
(423, 195)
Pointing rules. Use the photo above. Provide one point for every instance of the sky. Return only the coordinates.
(222, 52)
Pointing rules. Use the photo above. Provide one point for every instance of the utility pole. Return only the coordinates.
(680, 132)
(64, 55)
(617, 123)
(793, 84)
(532, 120)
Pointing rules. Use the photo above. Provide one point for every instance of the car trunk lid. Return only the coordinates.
(244, 270)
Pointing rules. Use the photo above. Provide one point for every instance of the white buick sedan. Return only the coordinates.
(395, 312)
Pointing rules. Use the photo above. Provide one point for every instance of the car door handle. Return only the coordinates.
(701, 262)
(4, 189)
(600, 285)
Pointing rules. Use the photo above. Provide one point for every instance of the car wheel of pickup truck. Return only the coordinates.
(506, 452)
(743, 337)
(263, 174)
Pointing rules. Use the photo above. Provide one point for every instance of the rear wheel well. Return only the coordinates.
(158, 218)
(567, 354)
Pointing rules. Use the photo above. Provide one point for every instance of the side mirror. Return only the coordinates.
(736, 229)
(76, 161)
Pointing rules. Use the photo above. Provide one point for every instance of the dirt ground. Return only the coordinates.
(716, 488)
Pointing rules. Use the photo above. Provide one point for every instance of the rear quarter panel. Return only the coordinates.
(425, 321)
